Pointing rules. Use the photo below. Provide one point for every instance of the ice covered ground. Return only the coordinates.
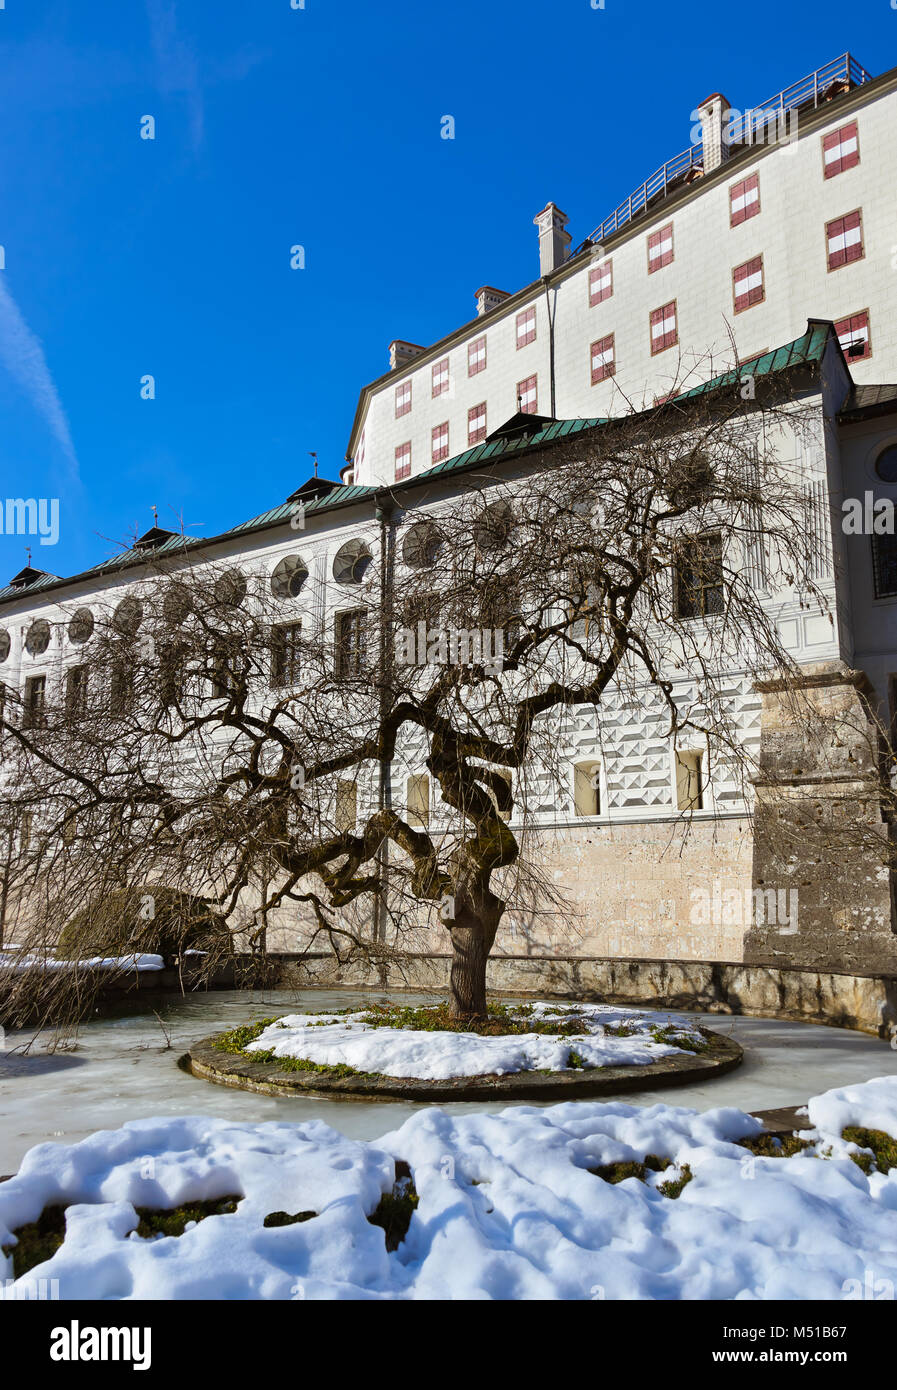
(332, 1039)
(508, 1208)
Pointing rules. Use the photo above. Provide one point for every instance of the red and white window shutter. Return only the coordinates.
(664, 328)
(744, 200)
(603, 363)
(476, 423)
(440, 377)
(403, 398)
(526, 326)
(527, 396)
(844, 240)
(440, 442)
(660, 248)
(476, 356)
(853, 335)
(403, 461)
(840, 150)
(747, 284)
(601, 282)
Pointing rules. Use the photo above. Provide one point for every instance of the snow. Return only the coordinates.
(332, 1039)
(508, 1208)
(132, 962)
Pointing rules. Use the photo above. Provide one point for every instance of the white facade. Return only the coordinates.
(796, 202)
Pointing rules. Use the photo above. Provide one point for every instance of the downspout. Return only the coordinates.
(548, 309)
(384, 514)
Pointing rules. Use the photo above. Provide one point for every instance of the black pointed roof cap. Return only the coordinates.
(311, 490)
(521, 425)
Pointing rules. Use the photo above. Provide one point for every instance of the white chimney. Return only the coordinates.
(714, 117)
(553, 239)
(488, 298)
(401, 352)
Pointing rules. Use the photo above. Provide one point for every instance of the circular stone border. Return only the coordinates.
(211, 1063)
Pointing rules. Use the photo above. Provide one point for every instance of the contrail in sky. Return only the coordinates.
(22, 354)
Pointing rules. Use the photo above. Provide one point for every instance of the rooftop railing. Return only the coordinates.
(744, 128)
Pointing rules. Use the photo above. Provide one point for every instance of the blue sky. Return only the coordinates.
(317, 127)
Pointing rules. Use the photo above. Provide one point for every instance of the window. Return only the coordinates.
(440, 442)
(35, 702)
(744, 200)
(441, 377)
(689, 781)
(26, 822)
(172, 659)
(840, 150)
(403, 461)
(225, 671)
(526, 326)
(603, 364)
(853, 335)
(587, 788)
(121, 688)
(417, 797)
(698, 577)
(351, 642)
(747, 284)
(476, 356)
(601, 282)
(476, 423)
(884, 565)
(844, 238)
(346, 808)
(660, 248)
(664, 329)
(286, 646)
(527, 398)
(76, 692)
(403, 398)
(886, 464)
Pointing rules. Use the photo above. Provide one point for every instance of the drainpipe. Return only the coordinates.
(384, 508)
(551, 314)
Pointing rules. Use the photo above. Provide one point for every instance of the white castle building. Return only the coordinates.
(769, 245)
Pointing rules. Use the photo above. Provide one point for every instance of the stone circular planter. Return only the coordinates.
(211, 1063)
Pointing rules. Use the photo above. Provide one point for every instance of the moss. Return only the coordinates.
(628, 1168)
(672, 1188)
(774, 1145)
(883, 1146)
(173, 1221)
(501, 1020)
(283, 1218)
(667, 1033)
(37, 1241)
(395, 1209)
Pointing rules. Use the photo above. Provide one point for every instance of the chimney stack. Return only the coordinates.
(714, 117)
(553, 239)
(488, 298)
(401, 353)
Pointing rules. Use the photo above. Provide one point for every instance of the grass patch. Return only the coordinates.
(666, 1033)
(774, 1145)
(238, 1040)
(652, 1163)
(37, 1241)
(173, 1221)
(884, 1148)
(395, 1209)
(501, 1020)
(275, 1219)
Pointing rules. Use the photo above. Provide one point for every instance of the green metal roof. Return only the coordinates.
(807, 349)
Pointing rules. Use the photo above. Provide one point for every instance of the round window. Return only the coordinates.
(886, 464)
(81, 626)
(4, 644)
(38, 639)
(128, 616)
(289, 577)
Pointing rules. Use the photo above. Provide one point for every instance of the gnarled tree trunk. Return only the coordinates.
(472, 930)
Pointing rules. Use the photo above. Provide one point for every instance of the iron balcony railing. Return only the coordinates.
(744, 128)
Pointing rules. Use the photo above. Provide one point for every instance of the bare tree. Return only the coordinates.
(213, 747)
